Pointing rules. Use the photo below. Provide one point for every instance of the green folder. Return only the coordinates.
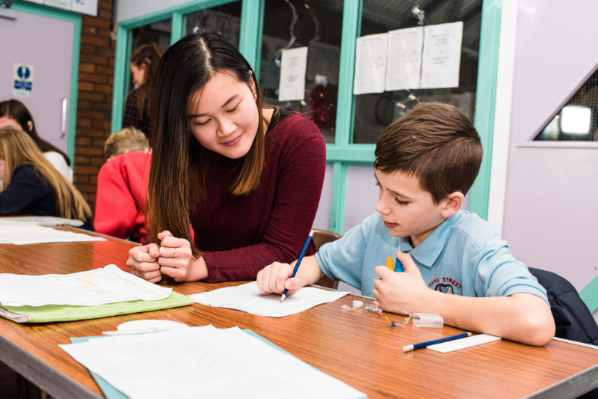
(112, 393)
(58, 313)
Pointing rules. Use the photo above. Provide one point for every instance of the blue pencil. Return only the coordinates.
(286, 290)
(410, 348)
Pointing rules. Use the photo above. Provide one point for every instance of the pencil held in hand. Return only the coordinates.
(286, 290)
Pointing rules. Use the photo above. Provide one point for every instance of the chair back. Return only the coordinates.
(320, 238)
(572, 317)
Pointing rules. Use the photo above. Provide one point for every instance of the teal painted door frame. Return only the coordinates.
(343, 152)
(76, 20)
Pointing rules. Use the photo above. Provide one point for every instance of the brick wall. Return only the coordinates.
(94, 106)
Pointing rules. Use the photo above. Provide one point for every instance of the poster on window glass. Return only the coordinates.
(404, 59)
(370, 64)
(292, 74)
(441, 56)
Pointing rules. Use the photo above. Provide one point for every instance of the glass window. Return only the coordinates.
(158, 33)
(578, 119)
(225, 20)
(373, 112)
(318, 26)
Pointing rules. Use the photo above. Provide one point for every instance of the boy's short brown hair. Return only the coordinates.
(436, 143)
(125, 140)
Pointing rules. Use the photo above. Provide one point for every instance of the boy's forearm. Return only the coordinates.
(524, 318)
(309, 271)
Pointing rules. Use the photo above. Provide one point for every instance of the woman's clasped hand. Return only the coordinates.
(173, 258)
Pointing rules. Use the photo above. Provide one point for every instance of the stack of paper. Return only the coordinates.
(94, 287)
(247, 298)
(50, 220)
(82, 296)
(30, 233)
(202, 362)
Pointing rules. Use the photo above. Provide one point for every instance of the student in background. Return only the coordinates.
(122, 186)
(31, 185)
(455, 264)
(144, 63)
(248, 178)
(14, 113)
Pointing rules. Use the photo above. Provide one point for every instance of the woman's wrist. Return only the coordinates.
(198, 269)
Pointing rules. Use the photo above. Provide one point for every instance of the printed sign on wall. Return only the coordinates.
(23, 80)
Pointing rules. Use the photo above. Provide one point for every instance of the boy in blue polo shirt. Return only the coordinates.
(425, 164)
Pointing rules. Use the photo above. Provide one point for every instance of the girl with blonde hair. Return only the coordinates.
(30, 185)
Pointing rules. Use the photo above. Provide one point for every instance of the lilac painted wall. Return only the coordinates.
(322, 220)
(550, 205)
(50, 51)
(361, 196)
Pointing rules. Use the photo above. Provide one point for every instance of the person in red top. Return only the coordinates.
(248, 178)
(122, 186)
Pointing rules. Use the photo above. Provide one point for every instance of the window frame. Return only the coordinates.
(343, 152)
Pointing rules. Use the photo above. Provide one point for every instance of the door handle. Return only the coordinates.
(65, 104)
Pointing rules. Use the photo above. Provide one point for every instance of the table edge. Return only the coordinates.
(572, 387)
(44, 376)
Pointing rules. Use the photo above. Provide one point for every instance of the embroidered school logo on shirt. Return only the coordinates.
(444, 284)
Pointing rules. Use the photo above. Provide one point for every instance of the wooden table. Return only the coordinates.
(360, 349)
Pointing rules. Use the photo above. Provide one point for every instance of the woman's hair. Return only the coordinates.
(17, 149)
(148, 54)
(125, 140)
(18, 112)
(178, 173)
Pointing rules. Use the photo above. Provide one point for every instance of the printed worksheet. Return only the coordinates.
(370, 64)
(31, 233)
(404, 58)
(204, 362)
(247, 298)
(95, 287)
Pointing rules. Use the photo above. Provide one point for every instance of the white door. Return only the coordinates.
(46, 44)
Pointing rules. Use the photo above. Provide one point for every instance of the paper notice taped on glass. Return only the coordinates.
(95, 287)
(370, 64)
(292, 74)
(247, 298)
(404, 58)
(200, 362)
(441, 56)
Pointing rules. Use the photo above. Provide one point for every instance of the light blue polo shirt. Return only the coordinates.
(463, 256)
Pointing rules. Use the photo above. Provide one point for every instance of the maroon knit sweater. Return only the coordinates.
(242, 235)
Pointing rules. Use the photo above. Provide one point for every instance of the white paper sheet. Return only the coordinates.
(370, 64)
(93, 287)
(442, 55)
(247, 298)
(49, 220)
(30, 233)
(293, 65)
(404, 58)
(463, 343)
(203, 362)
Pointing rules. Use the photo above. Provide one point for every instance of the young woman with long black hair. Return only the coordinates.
(247, 178)
(15, 114)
